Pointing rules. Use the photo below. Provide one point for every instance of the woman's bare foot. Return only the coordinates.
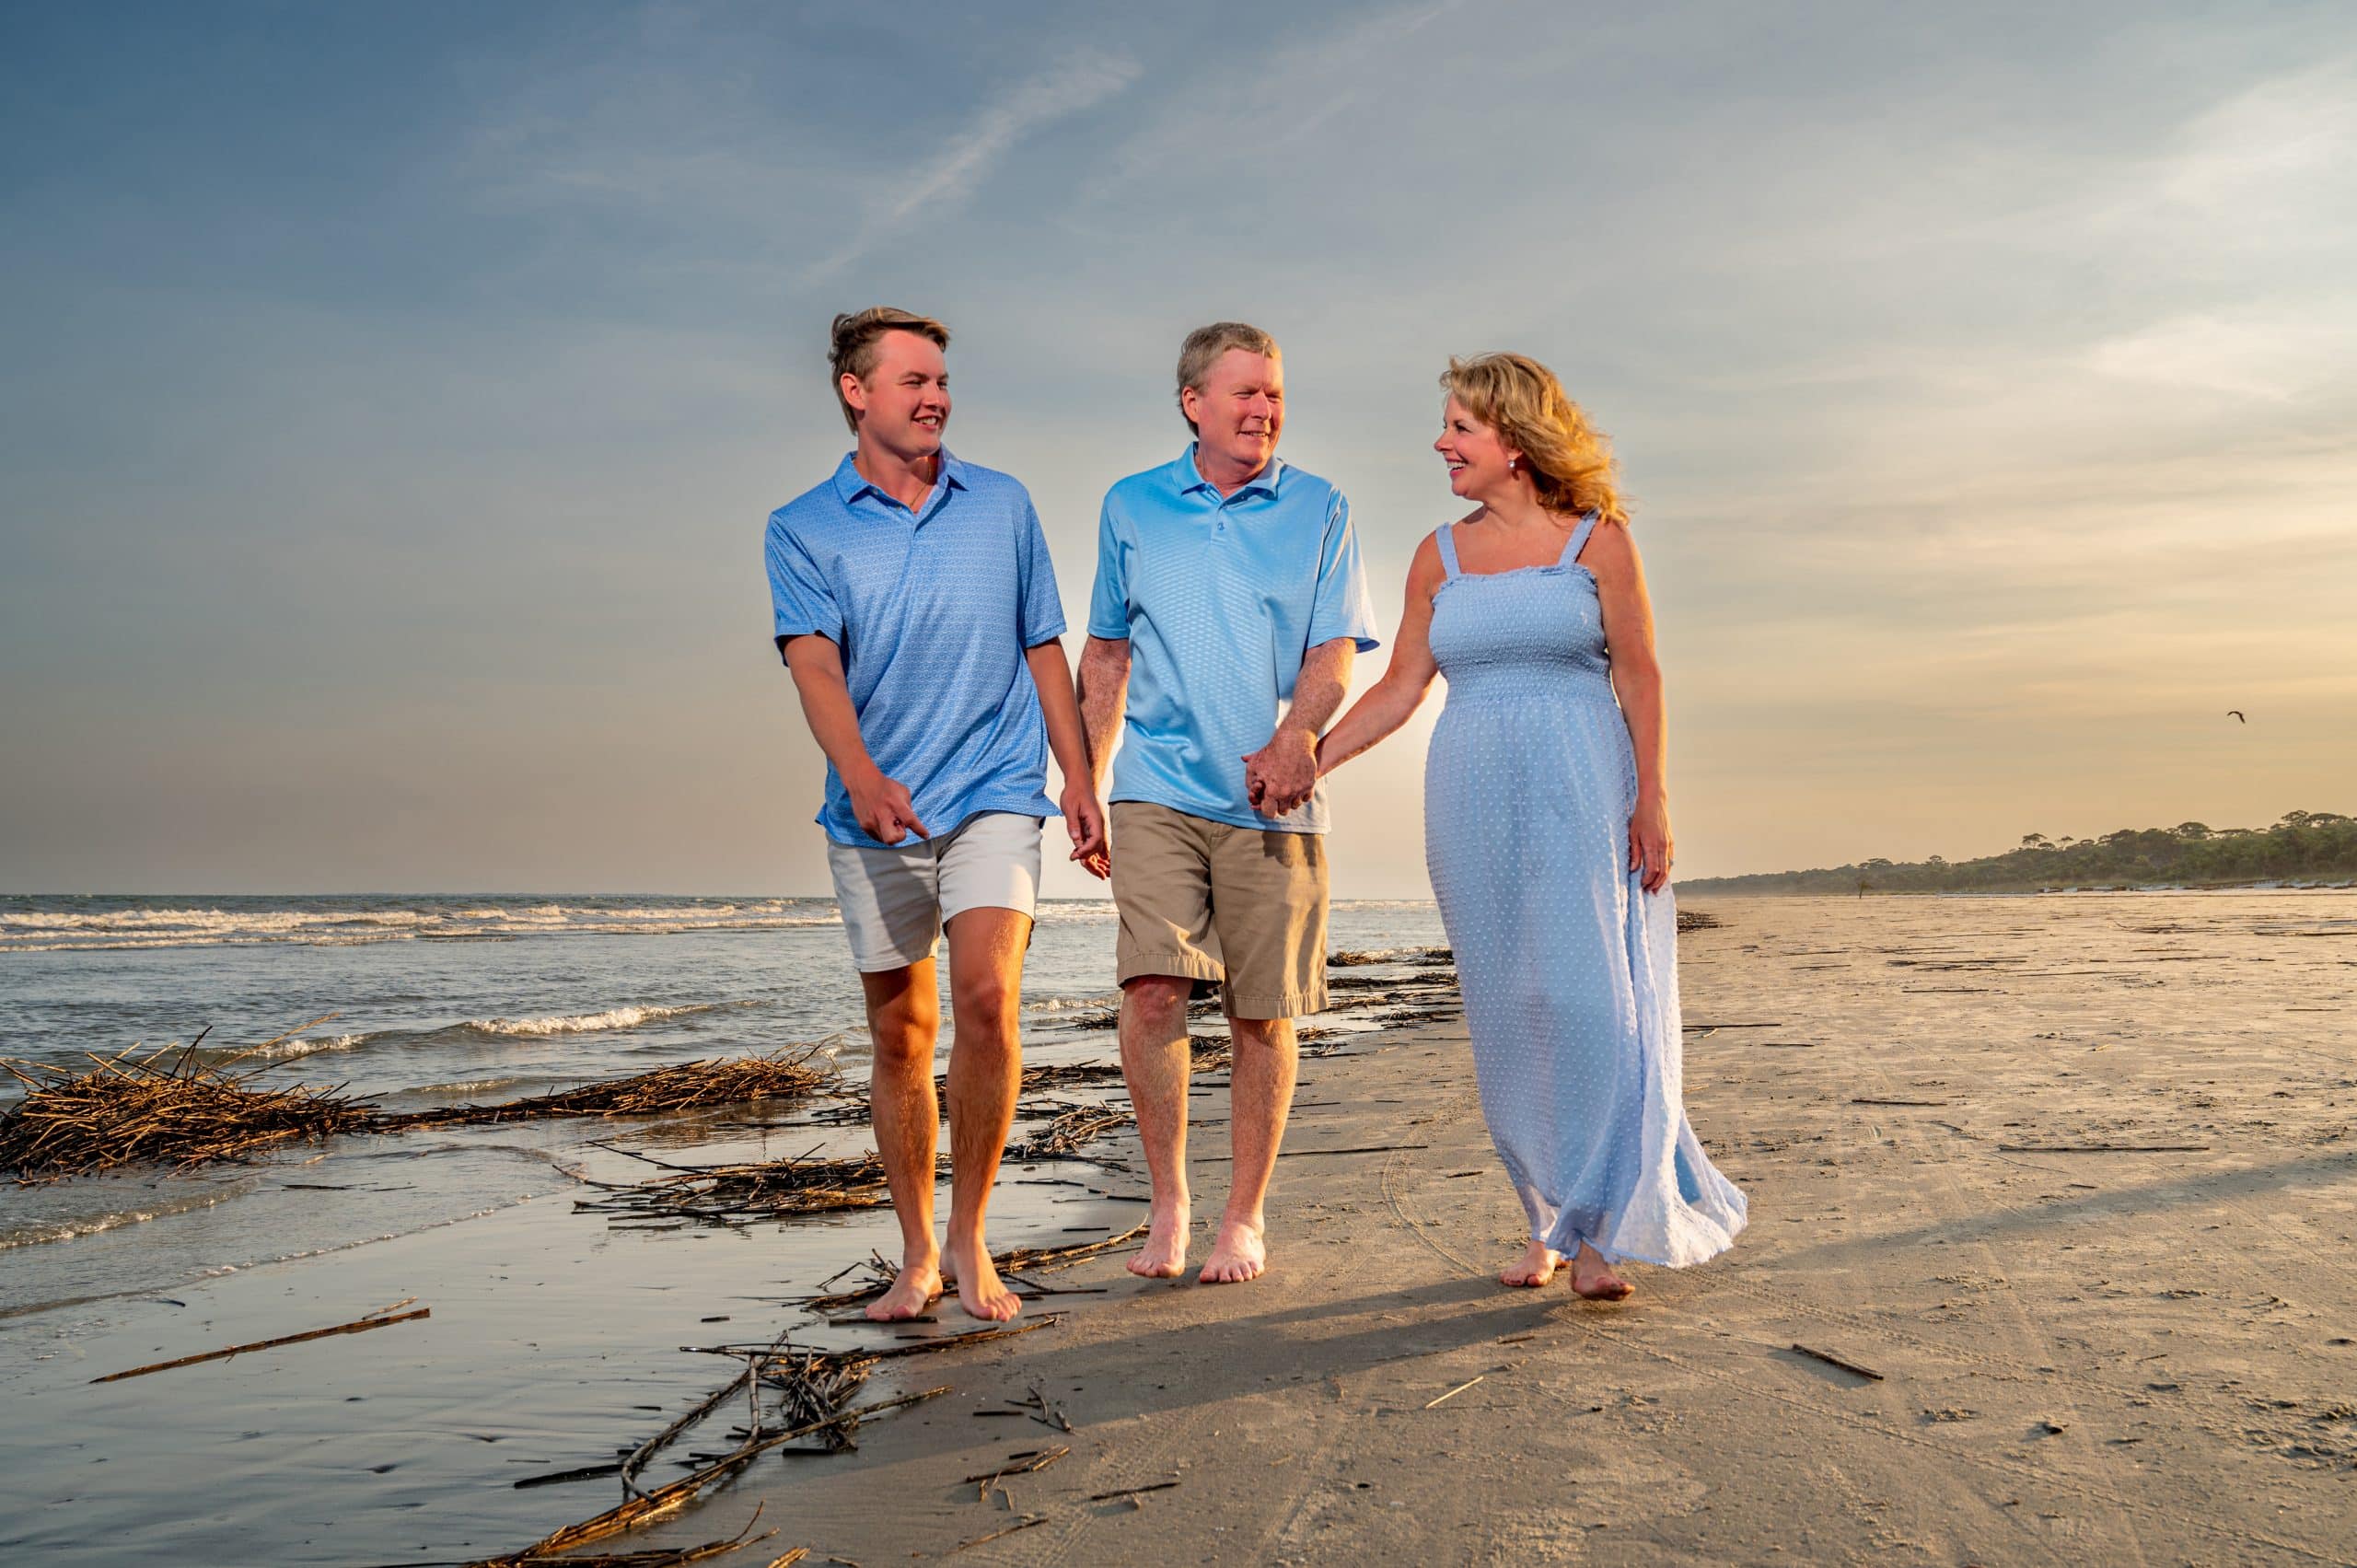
(1535, 1267)
(1593, 1277)
(980, 1290)
(914, 1288)
(1164, 1256)
(1238, 1254)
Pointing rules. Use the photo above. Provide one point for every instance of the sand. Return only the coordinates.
(2091, 1357)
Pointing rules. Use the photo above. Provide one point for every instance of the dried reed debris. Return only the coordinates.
(167, 1108)
(732, 1194)
(172, 1107)
(795, 1073)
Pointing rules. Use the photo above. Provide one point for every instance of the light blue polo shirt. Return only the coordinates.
(933, 611)
(1220, 598)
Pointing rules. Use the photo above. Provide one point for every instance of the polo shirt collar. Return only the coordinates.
(1190, 478)
(850, 484)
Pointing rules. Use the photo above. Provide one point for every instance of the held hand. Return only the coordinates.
(1649, 845)
(1084, 820)
(1282, 774)
(884, 809)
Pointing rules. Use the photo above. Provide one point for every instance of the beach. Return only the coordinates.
(2049, 1257)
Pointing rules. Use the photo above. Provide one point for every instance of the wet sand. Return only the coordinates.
(2097, 1356)
(2092, 1357)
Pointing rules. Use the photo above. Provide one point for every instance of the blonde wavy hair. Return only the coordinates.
(1570, 460)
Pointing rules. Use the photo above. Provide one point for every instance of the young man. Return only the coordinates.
(917, 609)
(1227, 584)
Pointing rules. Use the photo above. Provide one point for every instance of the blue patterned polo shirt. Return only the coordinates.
(933, 611)
(1220, 598)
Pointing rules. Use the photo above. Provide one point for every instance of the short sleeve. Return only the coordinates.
(1343, 607)
(798, 590)
(1109, 601)
(1042, 613)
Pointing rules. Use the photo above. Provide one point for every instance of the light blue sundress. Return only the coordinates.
(1569, 966)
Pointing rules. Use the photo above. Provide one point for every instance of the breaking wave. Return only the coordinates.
(62, 924)
(589, 1023)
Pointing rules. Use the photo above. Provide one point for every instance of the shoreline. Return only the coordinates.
(1713, 889)
(2107, 1357)
(2084, 1350)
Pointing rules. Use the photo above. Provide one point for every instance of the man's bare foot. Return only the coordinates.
(1593, 1277)
(980, 1291)
(1238, 1254)
(1165, 1252)
(1535, 1267)
(914, 1288)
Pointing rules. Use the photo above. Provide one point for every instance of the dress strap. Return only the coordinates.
(1447, 538)
(1579, 541)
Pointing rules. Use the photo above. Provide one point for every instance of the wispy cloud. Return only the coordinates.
(1080, 83)
(2274, 355)
(1285, 98)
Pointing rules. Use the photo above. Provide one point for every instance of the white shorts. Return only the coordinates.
(895, 901)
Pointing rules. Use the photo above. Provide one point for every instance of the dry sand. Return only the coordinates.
(2090, 1357)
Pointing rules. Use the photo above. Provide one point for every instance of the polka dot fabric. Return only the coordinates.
(1570, 967)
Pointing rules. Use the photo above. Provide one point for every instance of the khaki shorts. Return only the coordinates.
(1216, 903)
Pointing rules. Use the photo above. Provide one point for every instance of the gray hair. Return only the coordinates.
(1205, 344)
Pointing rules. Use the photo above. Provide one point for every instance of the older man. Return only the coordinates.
(916, 607)
(1229, 602)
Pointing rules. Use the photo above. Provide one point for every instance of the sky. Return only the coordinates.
(394, 394)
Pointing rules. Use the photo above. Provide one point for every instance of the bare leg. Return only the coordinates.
(904, 1021)
(1535, 1267)
(1260, 1099)
(985, 1074)
(1154, 1061)
(1594, 1278)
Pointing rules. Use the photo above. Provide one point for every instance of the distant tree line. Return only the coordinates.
(2306, 846)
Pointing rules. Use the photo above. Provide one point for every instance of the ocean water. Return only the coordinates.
(555, 1335)
(414, 1001)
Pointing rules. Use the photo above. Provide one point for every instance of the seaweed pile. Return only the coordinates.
(795, 1073)
(808, 1404)
(172, 1107)
(161, 1109)
(736, 1194)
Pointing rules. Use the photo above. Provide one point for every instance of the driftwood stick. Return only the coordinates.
(1130, 1490)
(1039, 1462)
(358, 1325)
(1454, 1392)
(2103, 1148)
(558, 1478)
(1831, 1360)
(1024, 1523)
(646, 1451)
(673, 1495)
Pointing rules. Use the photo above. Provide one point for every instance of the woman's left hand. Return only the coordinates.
(1649, 845)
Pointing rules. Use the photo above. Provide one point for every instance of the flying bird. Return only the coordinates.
(2236, 714)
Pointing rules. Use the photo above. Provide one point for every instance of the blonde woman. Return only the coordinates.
(1547, 832)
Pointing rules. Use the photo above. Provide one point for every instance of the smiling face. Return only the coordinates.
(1239, 410)
(1480, 464)
(903, 404)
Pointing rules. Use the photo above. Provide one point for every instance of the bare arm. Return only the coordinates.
(882, 805)
(1281, 776)
(1393, 699)
(1104, 692)
(1636, 680)
(1084, 815)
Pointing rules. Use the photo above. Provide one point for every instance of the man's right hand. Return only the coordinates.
(883, 809)
(1084, 820)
